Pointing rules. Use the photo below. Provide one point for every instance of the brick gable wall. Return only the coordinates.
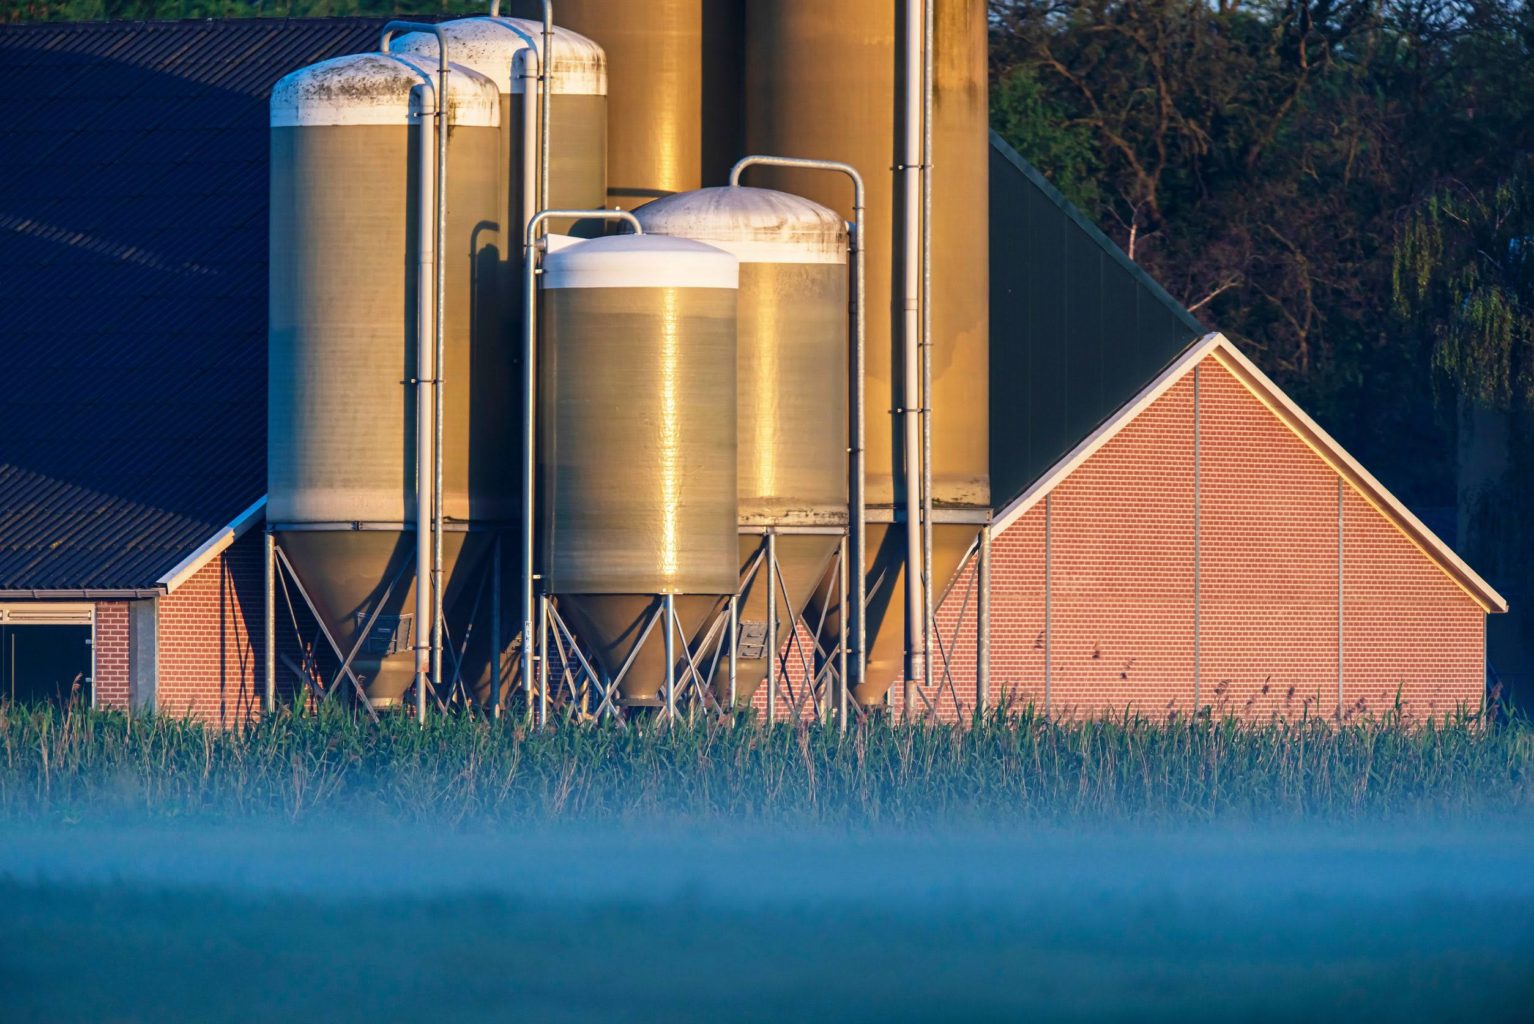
(210, 639)
(1126, 622)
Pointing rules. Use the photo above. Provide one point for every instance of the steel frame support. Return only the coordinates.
(280, 573)
(269, 624)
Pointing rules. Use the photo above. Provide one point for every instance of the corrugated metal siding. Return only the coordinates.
(133, 251)
(1077, 329)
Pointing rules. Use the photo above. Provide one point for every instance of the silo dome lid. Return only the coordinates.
(376, 88)
(757, 225)
(640, 261)
(494, 47)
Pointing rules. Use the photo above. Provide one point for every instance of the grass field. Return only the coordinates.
(321, 867)
(76, 765)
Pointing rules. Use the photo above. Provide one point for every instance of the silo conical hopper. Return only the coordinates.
(342, 344)
(637, 441)
(791, 383)
(825, 81)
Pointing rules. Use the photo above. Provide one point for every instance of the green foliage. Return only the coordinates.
(1464, 269)
(1256, 156)
(1024, 115)
(1010, 766)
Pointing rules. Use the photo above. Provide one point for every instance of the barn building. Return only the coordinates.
(1170, 531)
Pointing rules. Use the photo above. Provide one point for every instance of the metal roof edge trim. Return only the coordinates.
(1094, 232)
(1297, 420)
(81, 594)
(213, 546)
(1350, 469)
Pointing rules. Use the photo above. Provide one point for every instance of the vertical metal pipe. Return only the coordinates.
(857, 511)
(929, 609)
(546, 70)
(425, 370)
(543, 660)
(1341, 563)
(733, 651)
(670, 613)
(1198, 550)
(841, 664)
(532, 174)
(859, 499)
(428, 505)
(495, 629)
(772, 625)
(911, 396)
(983, 623)
(269, 625)
(529, 439)
(1049, 597)
(444, 104)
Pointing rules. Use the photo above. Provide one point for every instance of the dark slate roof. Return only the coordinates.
(133, 223)
(1077, 329)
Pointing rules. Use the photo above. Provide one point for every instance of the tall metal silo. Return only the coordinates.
(828, 82)
(345, 224)
(637, 441)
(667, 124)
(498, 48)
(791, 383)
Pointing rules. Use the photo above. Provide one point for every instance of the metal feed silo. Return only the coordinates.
(637, 441)
(826, 81)
(665, 124)
(345, 226)
(498, 48)
(791, 383)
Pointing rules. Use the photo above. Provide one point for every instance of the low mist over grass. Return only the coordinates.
(79, 765)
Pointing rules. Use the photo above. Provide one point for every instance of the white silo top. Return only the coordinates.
(497, 48)
(640, 261)
(376, 88)
(756, 225)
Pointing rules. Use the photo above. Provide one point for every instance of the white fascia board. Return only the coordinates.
(213, 546)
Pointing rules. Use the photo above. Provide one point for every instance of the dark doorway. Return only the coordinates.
(45, 663)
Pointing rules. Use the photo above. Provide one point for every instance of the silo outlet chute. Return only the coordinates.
(791, 384)
(637, 403)
(828, 81)
(345, 229)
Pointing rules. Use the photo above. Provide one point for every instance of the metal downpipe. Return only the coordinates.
(911, 395)
(429, 504)
(928, 606)
(269, 626)
(425, 352)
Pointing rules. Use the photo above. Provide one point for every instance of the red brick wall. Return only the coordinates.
(210, 639)
(1268, 559)
(1405, 626)
(1122, 607)
(109, 648)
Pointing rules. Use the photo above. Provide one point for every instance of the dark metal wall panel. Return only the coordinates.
(133, 255)
(1077, 329)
